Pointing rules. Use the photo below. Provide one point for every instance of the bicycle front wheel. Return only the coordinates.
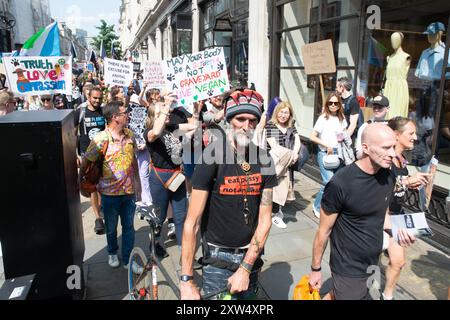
(139, 276)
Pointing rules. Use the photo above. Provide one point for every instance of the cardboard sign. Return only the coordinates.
(39, 75)
(138, 115)
(198, 76)
(318, 57)
(118, 73)
(153, 74)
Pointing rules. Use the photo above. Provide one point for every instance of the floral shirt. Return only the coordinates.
(118, 169)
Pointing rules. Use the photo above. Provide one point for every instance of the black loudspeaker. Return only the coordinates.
(41, 228)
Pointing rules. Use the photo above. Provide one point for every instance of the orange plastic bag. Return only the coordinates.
(302, 290)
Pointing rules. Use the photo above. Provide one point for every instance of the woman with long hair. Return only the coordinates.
(328, 132)
(284, 141)
(405, 129)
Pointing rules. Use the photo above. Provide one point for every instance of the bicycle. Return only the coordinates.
(143, 272)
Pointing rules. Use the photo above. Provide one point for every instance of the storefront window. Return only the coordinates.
(291, 43)
(208, 39)
(344, 36)
(296, 13)
(406, 65)
(301, 94)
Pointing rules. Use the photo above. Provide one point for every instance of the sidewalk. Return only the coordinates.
(287, 258)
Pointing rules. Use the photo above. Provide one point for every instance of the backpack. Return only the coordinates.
(347, 110)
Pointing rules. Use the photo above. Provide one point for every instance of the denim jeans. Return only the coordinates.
(326, 177)
(215, 279)
(143, 159)
(113, 207)
(162, 196)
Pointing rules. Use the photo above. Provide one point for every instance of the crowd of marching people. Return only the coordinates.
(235, 199)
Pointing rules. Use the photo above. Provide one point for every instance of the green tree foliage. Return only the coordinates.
(108, 35)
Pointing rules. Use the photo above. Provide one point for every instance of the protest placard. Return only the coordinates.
(136, 123)
(153, 75)
(39, 75)
(90, 67)
(136, 66)
(118, 73)
(198, 76)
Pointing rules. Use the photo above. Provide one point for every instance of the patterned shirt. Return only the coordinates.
(118, 169)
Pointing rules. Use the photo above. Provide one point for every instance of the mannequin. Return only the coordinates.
(396, 87)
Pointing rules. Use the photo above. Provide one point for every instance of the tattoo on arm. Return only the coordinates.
(267, 196)
(257, 244)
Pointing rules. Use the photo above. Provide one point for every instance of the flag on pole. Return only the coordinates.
(93, 59)
(102, 51)
(44, 43)
(73, 51)
(113, 52)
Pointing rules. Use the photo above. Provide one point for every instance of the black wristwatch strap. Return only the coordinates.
(186, 278)
(316, 270)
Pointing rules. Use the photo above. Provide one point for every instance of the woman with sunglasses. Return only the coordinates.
(327, 133)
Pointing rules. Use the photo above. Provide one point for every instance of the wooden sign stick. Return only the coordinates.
(322, 91)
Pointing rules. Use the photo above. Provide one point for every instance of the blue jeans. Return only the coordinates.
(162, 196)
(326, 177)
(113, 207)
(215, 279)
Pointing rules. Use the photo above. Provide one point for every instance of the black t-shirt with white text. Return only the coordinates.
(399, 197)
(223, 222)
(361, 201)
(92, 123)
(164, 150)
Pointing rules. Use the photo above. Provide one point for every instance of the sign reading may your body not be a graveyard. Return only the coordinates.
(198, 76)
(118, 73)
(39, 75)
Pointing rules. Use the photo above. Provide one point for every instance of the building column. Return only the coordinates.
(259, 47)
(158, 44)
(151, 47)
(169, 50)
(195, 26)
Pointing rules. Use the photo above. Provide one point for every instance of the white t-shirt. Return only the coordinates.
(328, 129)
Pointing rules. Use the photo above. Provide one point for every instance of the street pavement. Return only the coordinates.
(287, 258)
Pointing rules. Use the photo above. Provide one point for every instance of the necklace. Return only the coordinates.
(246, 167)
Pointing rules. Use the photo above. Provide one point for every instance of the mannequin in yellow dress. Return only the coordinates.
(396, 86)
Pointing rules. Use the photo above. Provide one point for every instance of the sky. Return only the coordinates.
(86, 14)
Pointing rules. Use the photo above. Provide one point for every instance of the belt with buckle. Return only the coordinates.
(229, 250)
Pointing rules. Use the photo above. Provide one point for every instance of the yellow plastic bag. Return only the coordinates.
(302, 290)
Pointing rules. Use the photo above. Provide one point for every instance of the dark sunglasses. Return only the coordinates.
(330, 103)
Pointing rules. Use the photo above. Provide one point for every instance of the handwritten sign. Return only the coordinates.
(90, 67)
(136, 66)
(39, 75)
(138, 115)
(318, 57)
(118, 73)
(198, 76)
(153, 74)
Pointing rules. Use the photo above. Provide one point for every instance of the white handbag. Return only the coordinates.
(331, 161)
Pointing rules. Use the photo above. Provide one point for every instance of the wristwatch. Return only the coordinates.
(186, 278)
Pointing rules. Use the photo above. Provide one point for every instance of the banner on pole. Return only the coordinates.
(198, 76)
(153, 75)
(118, 73)
(39, 75)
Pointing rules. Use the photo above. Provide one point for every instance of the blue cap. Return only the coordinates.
(434, 28)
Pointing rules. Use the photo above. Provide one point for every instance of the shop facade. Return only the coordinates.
(361, 32)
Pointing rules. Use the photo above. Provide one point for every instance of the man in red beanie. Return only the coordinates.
(231, 202)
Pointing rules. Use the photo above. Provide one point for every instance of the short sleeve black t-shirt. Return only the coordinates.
(399, 196)
(164, 150)
(361, 201)
(92, 123)
(223, 222)
(177, 117)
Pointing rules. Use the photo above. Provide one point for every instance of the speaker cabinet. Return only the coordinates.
(41, 228)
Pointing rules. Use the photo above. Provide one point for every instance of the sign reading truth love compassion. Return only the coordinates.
(39, 75)
(198, 76)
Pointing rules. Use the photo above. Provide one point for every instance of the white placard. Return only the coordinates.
(39, 75)
(198, 76)
(153, 75)
(118, 73)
